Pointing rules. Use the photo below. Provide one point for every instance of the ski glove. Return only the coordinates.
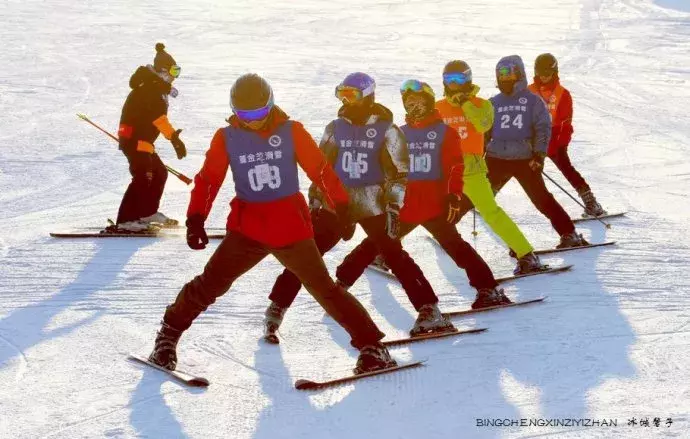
(347, 227)
(453, 208)
(178, 144)
(196, 235)
(537, 162)
(393, 220)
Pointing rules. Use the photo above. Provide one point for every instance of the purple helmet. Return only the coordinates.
(360, 81)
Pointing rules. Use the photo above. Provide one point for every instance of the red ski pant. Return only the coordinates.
(237, 254)
(562, 161)
(446, 234)
(327, 235)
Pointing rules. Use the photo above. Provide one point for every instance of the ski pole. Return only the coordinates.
(474, 222)
(608, 226)
(177, 174)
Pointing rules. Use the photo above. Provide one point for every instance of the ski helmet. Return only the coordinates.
(356, 86)
(545, 65)
(250, 92)
(457, 72)
(415, 108)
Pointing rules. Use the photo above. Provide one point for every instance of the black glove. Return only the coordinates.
(537, 162)
(393, 220)
(347, 227)
(453, 208)
(196, 235)
(178, 144)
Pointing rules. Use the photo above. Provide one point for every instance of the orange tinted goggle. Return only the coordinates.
(348, 94)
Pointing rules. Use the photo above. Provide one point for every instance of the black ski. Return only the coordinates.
(546, 270)
(163, 233)
(433, 335)
(303, 384)
(491, 308)
(567, 249)
(190, 380)
(590, 218)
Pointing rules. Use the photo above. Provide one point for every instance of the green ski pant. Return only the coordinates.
(478, 189)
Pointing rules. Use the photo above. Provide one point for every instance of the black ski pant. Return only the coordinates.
(562, 161)
(327, 234)
(532, 182)
(143, 196)
(446, 234)
(237, 254)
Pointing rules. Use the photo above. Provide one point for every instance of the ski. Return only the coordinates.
(103, 234)
(424, 337)
(190, 380)
(303, 384)
(589, 217)
(491, 308)
(567, 249)
(547, 270)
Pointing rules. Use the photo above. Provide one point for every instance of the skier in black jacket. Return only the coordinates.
(144, 117)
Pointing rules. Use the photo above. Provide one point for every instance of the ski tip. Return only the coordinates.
(198, 382)
(303, 384)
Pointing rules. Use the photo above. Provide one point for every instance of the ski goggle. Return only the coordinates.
(416, 86)
(507, 73)
(175, 71)
(348, 94)
(256, 114)
(545, 71)
(460, 78)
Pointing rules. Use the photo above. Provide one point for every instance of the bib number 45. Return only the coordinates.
(355, 164)
(262, 175)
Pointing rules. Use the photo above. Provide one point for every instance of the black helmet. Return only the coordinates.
(545, 65)
(250, 92)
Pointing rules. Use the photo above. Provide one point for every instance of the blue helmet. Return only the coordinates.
(360, 81)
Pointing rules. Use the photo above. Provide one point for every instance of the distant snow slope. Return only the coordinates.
(611, 342)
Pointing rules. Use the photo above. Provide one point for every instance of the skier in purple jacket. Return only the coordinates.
(517, 147)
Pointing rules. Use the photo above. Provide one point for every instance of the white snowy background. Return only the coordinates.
(611, 342)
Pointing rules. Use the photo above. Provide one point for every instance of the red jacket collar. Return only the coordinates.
(431, 119)
(555, 82)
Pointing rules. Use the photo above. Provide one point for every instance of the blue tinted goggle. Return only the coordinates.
(256, 114)
(457, 78)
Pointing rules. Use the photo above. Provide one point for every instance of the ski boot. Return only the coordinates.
(131, 227)
(487, 297)
(528, 264)
(592, 207)
(431, 321)
(573, 239)
(165, 350)
(161, 219)
(372, 358)
(272, 320)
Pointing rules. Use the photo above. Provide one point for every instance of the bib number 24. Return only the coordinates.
(506, 122)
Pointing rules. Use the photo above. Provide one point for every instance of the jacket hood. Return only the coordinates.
(144, 77)
(516, 60)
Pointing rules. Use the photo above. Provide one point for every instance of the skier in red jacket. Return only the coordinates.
(268, 215)
(560, 104)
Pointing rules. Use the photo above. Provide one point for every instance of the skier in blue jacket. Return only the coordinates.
(518, 141)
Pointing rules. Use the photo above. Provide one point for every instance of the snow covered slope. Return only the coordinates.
(610, 343)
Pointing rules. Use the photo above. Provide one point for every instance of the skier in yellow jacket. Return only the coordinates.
(473, 116)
